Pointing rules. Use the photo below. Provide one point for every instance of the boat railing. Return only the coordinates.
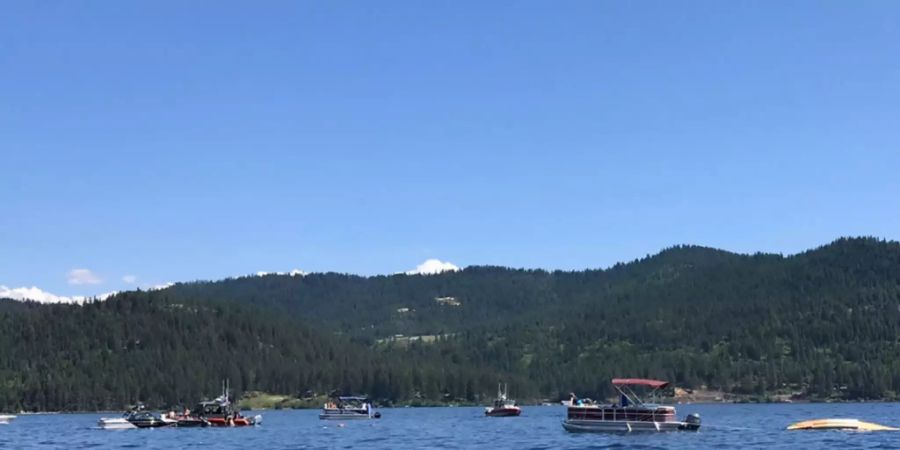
(621, 414)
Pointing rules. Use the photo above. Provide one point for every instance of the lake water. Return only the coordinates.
(724, 426)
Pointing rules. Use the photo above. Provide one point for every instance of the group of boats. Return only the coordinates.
(628, 414)
(221, 413)
(215, 413)
(631, 414)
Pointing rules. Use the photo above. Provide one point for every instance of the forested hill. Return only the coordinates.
(140, 348)
(688, 276)
(824, 323)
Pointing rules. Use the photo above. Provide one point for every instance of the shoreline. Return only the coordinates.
(477, 405)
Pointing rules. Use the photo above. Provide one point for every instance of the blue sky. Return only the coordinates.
(178, 140)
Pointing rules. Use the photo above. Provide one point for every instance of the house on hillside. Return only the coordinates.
(447, 301)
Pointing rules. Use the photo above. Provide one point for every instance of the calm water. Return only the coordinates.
(748, 426)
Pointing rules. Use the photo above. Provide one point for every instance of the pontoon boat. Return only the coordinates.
(349, 408)
(629, 414)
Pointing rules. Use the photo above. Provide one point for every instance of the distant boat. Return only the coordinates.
(630, 414)
(503, 406)
(349, 408)
(6, 418)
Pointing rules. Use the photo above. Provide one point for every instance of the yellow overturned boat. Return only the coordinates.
(840, 424)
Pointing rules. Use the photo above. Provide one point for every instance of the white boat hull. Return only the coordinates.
(6, 418)
(344, 416)
(620, 426)
(118, 423)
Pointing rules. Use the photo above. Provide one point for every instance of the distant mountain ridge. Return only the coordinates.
(820, 324)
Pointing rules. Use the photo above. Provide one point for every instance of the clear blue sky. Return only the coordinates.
(175, 140)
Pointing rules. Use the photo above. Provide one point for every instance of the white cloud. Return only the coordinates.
(433, 266)
(160, 287)
(106, 295)
(83, 276)
(38, 295)
(130, 279)
(293, 273)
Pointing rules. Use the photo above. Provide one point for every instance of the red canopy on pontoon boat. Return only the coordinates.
(655, 384)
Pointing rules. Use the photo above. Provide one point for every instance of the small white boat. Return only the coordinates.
(115, 423)
(349, 408)
(136, 418)
(629, 415)
(6, 418)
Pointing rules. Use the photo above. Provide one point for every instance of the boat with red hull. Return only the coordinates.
(503, 406)
(221, 413)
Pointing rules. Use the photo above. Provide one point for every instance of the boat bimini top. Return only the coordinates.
(627, 395)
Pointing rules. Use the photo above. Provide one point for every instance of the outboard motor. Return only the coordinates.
(692, 422)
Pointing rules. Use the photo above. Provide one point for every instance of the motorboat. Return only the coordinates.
(220, 413)
(6, 418)
(349, 408)
(186, 419)
(840, 424)
(503, 406)
(115, 423)
(189, 421)
(629, 414)
(137, 418)
(146, 419)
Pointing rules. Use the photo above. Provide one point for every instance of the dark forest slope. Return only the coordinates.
(825, 322)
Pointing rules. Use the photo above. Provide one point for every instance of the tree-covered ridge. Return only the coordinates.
(138, 347)
(823, 323)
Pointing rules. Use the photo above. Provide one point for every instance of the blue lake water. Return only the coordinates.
(724, 426)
